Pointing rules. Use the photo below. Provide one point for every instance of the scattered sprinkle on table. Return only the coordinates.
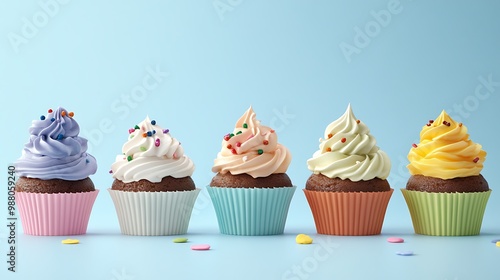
(495, 240)
(70, 241)
(303, 239)
(200, 247)
(498, 243)
(405, 253)
(395, 240)
(180, 240)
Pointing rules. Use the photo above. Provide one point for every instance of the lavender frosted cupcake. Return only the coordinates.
(54, 192)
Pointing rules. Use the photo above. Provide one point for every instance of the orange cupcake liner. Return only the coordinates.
(348, 213)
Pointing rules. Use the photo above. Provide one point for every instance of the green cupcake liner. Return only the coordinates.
(251, 211)
(446, 214)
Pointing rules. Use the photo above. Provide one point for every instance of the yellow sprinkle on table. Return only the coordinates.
(498, 243)
(70, 241)
(303, 239)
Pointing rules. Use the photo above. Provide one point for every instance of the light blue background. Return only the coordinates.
(284, 58)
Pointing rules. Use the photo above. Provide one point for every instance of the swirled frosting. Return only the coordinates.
(151, 153)
(349, 151)
(252, 149)
(55, 151)
(445, 151)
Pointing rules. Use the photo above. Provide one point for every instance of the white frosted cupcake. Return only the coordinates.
(153, 191)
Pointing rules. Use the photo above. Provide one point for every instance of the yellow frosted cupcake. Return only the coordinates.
(446, 193)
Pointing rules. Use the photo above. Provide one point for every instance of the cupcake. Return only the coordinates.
(446, 193)
(348, 191)
(251, 191)
(54, 193)
(153, 191)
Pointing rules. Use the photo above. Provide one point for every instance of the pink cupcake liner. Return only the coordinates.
(55, 214)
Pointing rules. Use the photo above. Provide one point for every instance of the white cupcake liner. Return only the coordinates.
(251, 211)
(154, 213)
(55, 213)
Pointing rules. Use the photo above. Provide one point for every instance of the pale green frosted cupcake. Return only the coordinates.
(446, 194)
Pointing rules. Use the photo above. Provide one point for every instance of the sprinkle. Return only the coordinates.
(265, 142)
(110, 171)
(431, 121)
(53, 119)
(131, 130)
(446, 123)
(460, 124)
(476, 160)
(405, 253)
(330, 136)
(129, 158)
(229, 146)
(143, 148)
(200, 247)
(149, 133)
(245, 158)
(131, 136)
(144, 135)
(272, 130)
(231, 135)
(343, 140)
(42, 118)
(498, 243)
(239, 132)
(63, 113)
(495, 240)
(174, 155)
(165, 131)
(245, 125)
(328, 149)
(234, 151)
(227, 137)
(428, 124)
(87, 161)
(358, 121)
(71, 114)
(180, 240)
(414, 145)
(60, 137)
(153, 122)
(303, 239)
(157, 142)
(238, 144)
(154, 131)
(50, 111)
(70, 241)
(136, 127)
(260, 151)
(395, 240)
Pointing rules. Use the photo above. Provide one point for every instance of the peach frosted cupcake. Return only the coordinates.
(251, 191)
(348, 191)
(446, 193)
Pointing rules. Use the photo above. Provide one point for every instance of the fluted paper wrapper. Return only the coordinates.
(55, 213)
(154, 213)
(348, 213)
(251, 211)
(446, 214)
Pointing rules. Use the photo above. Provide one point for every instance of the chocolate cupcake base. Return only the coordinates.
(320, 182)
